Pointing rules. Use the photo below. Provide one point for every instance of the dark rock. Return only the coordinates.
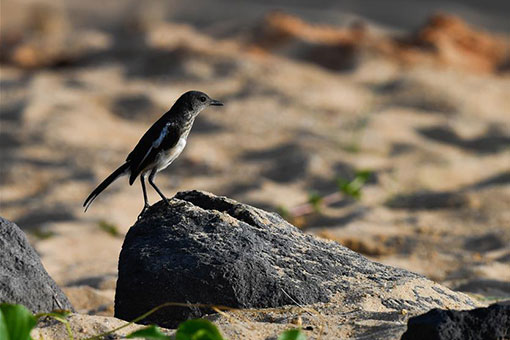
(213, 250)
(491, 323)
(23, 279)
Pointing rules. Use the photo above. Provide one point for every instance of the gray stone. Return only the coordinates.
(490, 323)
(213, 250)
(23, 279)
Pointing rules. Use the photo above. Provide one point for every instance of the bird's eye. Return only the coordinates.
(202, 99)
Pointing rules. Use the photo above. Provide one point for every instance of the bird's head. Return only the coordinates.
(196, 101)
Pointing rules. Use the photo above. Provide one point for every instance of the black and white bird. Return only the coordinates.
(159, 146)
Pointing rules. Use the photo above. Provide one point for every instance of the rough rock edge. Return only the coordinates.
(26, 281)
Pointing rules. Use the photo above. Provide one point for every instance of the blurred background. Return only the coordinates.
(382, 125)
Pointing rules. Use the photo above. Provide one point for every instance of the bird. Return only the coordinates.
(159, 146)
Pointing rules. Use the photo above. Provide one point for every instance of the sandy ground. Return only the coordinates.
(437, 140)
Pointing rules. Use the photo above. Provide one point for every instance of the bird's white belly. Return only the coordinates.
(165, 158)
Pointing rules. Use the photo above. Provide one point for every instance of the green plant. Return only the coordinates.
(60, 316)
(16, 322)
(42, 234)
(283, 212)
(198, 329)
(109, 228)
(353, 188)
(315, 201)
(151, 332)
(292, 334)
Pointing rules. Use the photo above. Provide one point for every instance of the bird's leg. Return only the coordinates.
(151, 182)
(145, 199)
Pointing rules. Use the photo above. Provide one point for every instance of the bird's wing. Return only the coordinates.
(148, 148)
(156, 143)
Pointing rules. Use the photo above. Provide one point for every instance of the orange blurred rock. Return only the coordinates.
(44, 37)
(448, 40)
(279, 28)
(445, 40)
(331, 47)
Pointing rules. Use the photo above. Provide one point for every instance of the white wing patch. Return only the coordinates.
(162, 136)
(157, 142)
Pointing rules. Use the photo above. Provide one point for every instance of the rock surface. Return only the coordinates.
(489, 323)
(23, 279)
(213, 250)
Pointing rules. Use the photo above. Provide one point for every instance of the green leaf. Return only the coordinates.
(151, 332)
(198, 329)
(16, 322)
(315, 200)
(283, 212)
(109, 228)
(292, 334)
(353, 188)
(363, 175)
(61, 316)
(3, 327)
(42, 234)
(347, 188)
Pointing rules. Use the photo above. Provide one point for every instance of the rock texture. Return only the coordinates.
(23, 278)
(214, 250)
(489, 323)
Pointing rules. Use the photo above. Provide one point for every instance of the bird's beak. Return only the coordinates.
(216, 102)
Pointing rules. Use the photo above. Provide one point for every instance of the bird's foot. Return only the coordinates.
(166, 200)
(145, 207)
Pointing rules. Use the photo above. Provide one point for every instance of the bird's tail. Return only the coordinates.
(109, 180)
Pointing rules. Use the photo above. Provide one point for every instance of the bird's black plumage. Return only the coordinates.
(144, 153)
(160, 145)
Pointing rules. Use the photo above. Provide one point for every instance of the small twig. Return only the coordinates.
(153, 310)
(346, 188)
(59, 318)
(308, 208)
(290, 297)
(307, 309)
(230, 318)
(217, 308)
